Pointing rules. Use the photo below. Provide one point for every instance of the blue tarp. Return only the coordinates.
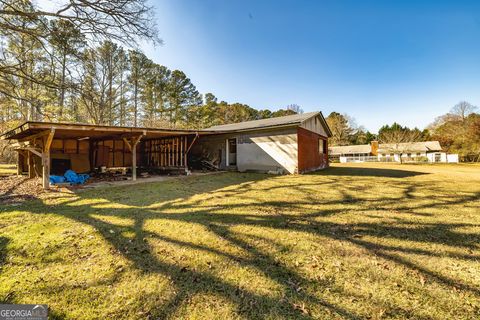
(57, 179)
(70, 176)
(75, 178)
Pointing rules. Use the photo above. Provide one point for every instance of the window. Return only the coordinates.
(322, 146)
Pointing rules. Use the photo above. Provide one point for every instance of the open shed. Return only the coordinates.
(45, 147)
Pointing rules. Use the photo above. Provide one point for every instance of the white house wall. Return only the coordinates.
(275, 151)
(260, 150)
(452, 158)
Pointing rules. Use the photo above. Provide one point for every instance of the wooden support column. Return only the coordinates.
(19, 163)
(46, 170)
(31, 169)
(187, 149)
(46, 159)
(132, 146)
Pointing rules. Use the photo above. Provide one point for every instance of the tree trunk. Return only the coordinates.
(135, 111)
(62, 86)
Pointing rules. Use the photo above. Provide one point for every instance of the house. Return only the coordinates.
(425, 151)
(290, 144)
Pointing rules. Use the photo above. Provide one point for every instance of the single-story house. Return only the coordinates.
(430, 151)
(290, 144)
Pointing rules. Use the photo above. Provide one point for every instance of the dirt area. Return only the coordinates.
(98, 183)
(15, 189)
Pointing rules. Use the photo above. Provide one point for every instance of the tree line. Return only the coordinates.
(111, 85)
(458, 131)
(70, 64)
(77, 62)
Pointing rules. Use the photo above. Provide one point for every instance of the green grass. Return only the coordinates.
(365, 241)
(7, 169)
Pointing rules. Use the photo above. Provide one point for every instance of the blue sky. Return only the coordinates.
(378, 61)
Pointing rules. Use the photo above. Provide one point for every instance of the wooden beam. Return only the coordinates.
(35, 136)
(35, 151)
(127, 143)
(20, 145)
(48, 141)
(191, 144)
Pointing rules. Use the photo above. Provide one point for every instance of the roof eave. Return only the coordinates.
(295, 124)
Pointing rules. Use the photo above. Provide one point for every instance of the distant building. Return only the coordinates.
(425, 151)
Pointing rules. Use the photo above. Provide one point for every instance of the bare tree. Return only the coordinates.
(463, 109)
(295, 108)
(125, 21)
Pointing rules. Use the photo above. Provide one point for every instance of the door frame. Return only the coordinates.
(227, 152)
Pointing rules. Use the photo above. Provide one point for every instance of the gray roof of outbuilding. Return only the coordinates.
(423, 146)
(361, 148)
(266, 123)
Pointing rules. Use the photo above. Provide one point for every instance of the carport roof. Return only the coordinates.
(80, 130)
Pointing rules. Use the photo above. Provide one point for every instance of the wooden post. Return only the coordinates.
(19, 163)
(132, 146)
(187, 149)
(46, 159)
(31, 169)
(46, 170)
(185, 153)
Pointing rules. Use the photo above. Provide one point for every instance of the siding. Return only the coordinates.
(309, 157)
(260, 150)
(315, 125)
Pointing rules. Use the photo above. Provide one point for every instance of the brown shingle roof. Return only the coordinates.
(423, 146)
(362, 148)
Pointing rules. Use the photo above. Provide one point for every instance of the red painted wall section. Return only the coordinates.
(309, 157)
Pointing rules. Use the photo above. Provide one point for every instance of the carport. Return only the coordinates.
(43, 146)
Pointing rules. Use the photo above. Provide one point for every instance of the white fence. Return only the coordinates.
(433, 157)
(366, 159)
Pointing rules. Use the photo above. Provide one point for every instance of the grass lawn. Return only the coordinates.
(367, 241)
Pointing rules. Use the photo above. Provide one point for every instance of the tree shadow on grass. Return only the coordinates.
(368, 172)
(9, 297)
(220, 220)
